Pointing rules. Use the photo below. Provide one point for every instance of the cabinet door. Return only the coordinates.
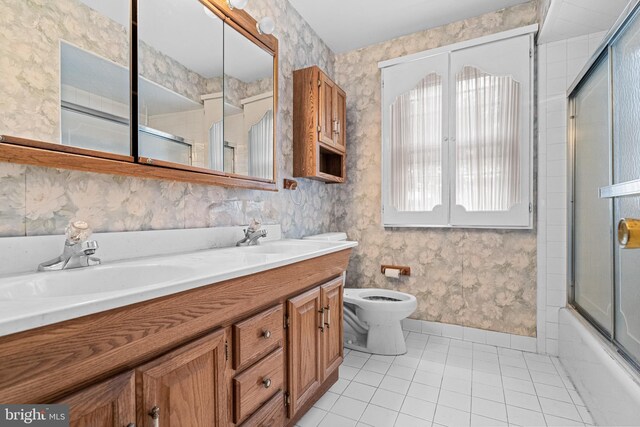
(326, 112)
(108, 404)
(304, 364)
(340, 132)
(185, 387)
(332, 348)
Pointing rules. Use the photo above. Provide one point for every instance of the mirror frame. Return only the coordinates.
(40, 153)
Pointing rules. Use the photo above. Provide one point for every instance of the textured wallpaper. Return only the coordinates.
(478, 278)
(36, 200)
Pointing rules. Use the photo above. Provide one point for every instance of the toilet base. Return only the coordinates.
(384, 340)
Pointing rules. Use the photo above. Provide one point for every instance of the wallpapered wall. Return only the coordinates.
(36, 200)
(478, 278)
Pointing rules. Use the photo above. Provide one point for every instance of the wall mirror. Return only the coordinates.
(202, 88)
(180, 67)
(248, 106)
(65, 78)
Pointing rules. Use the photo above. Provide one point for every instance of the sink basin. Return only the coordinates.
(92, 280)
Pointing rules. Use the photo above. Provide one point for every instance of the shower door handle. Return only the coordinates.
(629, 233)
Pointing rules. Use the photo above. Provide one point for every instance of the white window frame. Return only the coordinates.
(449, 216)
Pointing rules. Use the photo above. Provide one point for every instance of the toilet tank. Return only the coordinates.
(328, 237)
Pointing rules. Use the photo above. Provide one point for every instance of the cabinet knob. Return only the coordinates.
(266, 382)
(266, 334)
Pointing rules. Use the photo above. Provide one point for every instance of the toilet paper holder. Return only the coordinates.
(404, 270)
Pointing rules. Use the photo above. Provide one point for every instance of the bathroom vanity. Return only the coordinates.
(257, 345)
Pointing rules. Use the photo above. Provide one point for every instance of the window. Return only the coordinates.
(416, 146)
(456, 135)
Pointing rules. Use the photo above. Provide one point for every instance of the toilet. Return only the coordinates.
(373, 317)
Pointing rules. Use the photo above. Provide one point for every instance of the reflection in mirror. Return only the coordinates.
(248, 106)
(64, 72)
(180, 55)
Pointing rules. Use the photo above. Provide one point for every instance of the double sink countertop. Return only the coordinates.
(33, 300)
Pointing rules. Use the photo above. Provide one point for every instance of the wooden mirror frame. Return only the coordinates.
(39, 153)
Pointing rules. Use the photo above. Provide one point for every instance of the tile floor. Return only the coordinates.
(448, 382)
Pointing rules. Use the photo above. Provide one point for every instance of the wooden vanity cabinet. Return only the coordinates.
(305, 371)
(256, 351)
(332, 338)
(319, 127)
(185, 387)
(107, 404)
(315, 332)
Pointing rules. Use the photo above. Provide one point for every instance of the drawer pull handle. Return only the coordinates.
(266, 334)
(266, 382)
(321, 319)
(155, 416)
(131, 425)
(328, 310)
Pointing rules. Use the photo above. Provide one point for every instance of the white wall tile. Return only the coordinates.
(552, 330)
(552, 346)
(452, 331)
(412, 325)
(523, 343)
(431, 328)
(556, 51)
(499, 339)
(475, 335)
(578, 47)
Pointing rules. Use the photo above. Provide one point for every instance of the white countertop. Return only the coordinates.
(33, 300)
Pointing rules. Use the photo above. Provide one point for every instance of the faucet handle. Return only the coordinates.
(77, 231)
(254, 225)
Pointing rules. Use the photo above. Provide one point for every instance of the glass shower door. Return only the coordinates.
(592, 223)
(626, 63)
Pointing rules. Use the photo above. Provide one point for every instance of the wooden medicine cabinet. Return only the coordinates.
(319, 127)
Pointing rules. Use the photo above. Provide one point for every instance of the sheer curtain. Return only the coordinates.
(261, 147)
(416, 147)
(487, 146)
(216, 146)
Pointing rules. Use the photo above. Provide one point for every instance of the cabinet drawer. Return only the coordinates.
(257, 384)
(271, 414)
(257, 336)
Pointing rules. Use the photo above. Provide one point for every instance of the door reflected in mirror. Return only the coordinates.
(248, 106)
(180, 65)
(66, 80)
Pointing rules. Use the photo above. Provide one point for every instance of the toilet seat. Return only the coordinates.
(380, 300)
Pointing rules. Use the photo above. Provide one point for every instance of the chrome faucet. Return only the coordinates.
(252, 234)
(77, 249)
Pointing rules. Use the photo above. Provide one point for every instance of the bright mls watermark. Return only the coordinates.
(34, 415)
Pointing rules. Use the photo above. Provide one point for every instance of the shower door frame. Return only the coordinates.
(603, 53)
